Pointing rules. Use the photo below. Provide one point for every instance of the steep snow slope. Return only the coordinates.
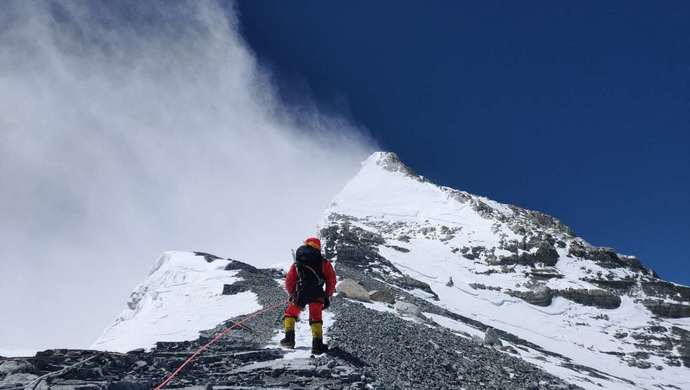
(587, 314)
(182, 295)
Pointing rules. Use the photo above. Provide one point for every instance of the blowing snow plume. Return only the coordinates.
(132, 128)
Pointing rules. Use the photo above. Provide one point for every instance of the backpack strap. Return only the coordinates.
(316, 274)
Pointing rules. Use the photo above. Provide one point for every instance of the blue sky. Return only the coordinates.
(580, 110)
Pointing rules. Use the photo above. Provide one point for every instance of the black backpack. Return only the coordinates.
(310, 278)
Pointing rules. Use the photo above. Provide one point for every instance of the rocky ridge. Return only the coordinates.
(245, 358)
(362, 356)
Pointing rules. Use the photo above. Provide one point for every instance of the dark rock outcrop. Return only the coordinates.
(683, 345)
(545, 254)
(545, 274)
(208, 257)
(472, 253)
(479, 286)
(540, 296)
(606, 257)
(660, 288)
(541, 220)
(666, 309)
(598, 298)
(235, 288)
(357, 249)
(620, 286)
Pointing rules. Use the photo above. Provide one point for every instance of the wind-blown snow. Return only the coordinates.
(181, 296)
(131, 127)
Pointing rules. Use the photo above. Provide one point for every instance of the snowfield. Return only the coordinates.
(181, 296)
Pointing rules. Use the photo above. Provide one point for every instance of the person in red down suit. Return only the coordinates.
(310, 281)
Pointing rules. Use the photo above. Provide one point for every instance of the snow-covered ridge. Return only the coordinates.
(520, 271)
(182, 295)
(589, 315)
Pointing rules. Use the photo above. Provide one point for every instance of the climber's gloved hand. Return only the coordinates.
(326, 302)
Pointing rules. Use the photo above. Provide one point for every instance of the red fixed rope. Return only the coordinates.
(213, 341)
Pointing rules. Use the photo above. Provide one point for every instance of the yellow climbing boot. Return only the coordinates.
(317, 345)
(316, 329)
(289, 325)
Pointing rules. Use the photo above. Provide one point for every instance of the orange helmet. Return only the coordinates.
(313, 242)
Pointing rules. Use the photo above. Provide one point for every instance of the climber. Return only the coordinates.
(305, 284)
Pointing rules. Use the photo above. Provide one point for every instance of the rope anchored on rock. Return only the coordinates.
(214, 340)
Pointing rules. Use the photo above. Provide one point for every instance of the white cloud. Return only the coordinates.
(128, 131)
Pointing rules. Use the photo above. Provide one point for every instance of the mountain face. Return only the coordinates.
(586, 314)
(457, 292)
